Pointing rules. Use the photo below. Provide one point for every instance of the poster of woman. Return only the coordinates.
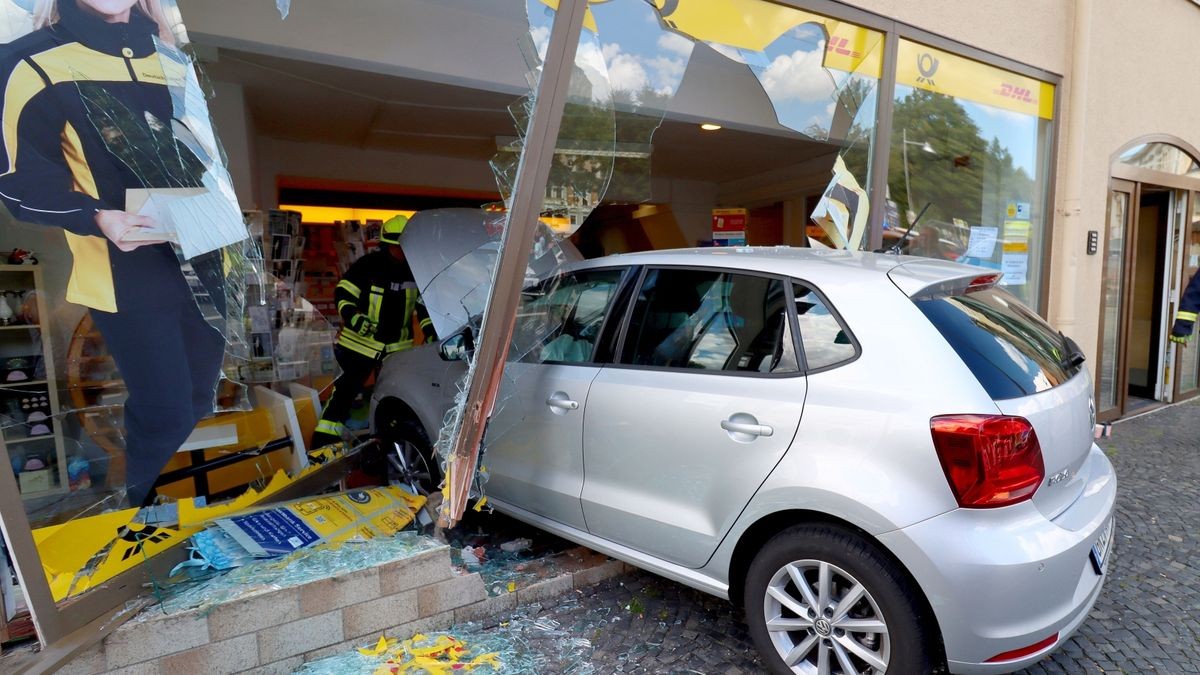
(88, 116)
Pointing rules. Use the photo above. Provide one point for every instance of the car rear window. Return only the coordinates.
(1010, 349)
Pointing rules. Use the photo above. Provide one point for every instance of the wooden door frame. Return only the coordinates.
(1121, 381)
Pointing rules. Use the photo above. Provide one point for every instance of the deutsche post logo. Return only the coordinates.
(927, 64)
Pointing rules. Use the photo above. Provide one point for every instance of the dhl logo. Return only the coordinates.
(842, 46)
(1023, 94)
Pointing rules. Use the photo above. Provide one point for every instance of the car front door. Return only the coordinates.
(534, 441)
(704, 402)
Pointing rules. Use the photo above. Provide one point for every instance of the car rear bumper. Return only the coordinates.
(1001, 580)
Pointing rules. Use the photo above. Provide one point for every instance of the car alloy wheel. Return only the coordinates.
(822, 620)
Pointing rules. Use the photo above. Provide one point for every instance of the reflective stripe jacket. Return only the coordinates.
(380, 289)
(66, 89)
(1190, 304)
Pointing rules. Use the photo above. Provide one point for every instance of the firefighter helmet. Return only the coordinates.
(392, 229)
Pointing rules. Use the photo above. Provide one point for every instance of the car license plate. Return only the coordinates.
(1101, 547)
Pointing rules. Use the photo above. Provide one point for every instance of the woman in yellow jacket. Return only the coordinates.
(87, 115)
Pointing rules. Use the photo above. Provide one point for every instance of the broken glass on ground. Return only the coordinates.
(526, 645)
(303, 567)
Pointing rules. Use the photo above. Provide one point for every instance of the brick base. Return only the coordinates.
(278, 630)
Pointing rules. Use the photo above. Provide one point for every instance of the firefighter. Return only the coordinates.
(376, 299)
(1185, 318)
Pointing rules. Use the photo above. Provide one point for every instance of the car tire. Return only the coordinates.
(409, 453)
(851, 564)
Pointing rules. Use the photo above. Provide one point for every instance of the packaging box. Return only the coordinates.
(40, 480)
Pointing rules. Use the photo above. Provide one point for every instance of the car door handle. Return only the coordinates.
(562, 403)
(744, 428)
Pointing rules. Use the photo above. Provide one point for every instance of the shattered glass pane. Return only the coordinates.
(645, 75)
(140, 311)
(527, 646)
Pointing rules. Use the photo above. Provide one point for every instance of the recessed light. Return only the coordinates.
(709, 126)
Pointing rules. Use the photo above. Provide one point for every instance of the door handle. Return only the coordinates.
(562, 403)
(745, 428)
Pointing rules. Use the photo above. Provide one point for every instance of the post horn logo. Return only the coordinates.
(927, 64)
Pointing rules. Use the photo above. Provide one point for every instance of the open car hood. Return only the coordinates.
(453, 252)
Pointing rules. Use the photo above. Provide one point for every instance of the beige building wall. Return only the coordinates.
(1140, 61)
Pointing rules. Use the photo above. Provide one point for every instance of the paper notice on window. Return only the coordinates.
(1015, 267)
(982, 243)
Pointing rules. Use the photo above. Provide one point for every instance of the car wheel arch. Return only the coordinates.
(400, 409)
(761, 531)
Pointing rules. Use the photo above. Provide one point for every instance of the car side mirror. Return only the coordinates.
(457, 347)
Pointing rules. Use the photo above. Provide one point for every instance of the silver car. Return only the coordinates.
(887, 461)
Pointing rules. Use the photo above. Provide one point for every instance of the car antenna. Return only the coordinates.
(896, 248)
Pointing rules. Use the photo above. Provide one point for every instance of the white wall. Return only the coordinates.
(235, 128)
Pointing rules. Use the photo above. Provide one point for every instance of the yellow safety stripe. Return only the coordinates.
(349, 288)
(342, 305)
(426, 322)
(398, 346)
(359, 349)
(331, 428)
(374, 304)
(1186, 316)
(347, 337)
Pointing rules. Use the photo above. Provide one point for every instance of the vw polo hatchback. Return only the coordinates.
(886, 461)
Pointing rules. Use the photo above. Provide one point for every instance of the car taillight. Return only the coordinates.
(989, 460)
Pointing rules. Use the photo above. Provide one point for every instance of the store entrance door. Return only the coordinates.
(1144, 255)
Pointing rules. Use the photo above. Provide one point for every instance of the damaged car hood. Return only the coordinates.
(453, 253)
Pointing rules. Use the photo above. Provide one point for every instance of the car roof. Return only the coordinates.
(815, 265)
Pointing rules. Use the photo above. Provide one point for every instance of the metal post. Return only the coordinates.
(515, 249)
(881, 155)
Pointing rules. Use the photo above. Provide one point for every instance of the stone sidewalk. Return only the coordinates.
(1146, 620)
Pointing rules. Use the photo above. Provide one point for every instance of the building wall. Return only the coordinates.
(1138, 57)
(1034, 32)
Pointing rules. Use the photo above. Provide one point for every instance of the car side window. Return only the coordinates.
(559, 320)
(710, 320)
(825, 339)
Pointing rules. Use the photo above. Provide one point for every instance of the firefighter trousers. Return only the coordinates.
(356, 370)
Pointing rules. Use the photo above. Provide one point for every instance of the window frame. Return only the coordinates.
(833, 311)
(631, 302)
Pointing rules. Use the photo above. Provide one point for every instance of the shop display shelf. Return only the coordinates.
(28, 439)
(21, 326)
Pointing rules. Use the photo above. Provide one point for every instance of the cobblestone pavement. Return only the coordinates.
(1146, 620)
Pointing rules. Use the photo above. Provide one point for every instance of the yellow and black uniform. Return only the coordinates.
(87, 114)
(1185, 318)
(377, 299)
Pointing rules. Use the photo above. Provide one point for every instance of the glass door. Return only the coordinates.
(1189, 356)
(1111, 374)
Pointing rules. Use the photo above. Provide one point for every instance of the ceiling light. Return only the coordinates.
(709, 126)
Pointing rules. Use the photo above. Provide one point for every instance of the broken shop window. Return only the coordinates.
(796, 94)
(146, 353)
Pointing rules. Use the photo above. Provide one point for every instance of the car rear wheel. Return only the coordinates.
(821, 600)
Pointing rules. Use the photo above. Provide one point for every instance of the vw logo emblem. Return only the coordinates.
(823, 627)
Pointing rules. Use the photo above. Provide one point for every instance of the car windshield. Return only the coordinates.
(1008, 347)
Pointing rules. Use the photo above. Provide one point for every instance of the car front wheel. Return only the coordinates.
(822, 600)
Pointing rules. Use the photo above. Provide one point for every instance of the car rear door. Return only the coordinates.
(704, 401)
(534, 440)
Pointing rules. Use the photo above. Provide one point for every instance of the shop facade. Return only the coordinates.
(1005, 124)
(1049, 141)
